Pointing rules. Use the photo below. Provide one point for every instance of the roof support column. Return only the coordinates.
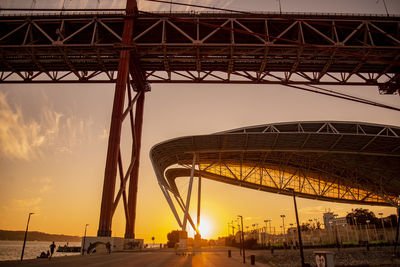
(198, 203)
(189, 193)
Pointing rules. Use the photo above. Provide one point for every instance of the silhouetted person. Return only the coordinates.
(52, 247)
(108, 246)
(48, 254)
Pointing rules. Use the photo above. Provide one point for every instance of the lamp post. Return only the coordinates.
(266, 225)
(383, 226)
(318, 229)
(280, 7)
(26, 234)
(298, 227)
(84, 240)
(240, 235)
(358, 233)
(391, 228)
(269, 221)
(241, 221)
(292, 235)
(367, 229)
(283, 222)
(397, 227)
(336, 231)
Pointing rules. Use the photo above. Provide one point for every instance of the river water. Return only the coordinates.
(11, 250)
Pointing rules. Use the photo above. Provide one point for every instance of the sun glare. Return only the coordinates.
(205, 228)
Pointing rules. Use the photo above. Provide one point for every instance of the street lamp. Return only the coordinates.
(26, 233)
(84, 239)
(266, 225)
(292, 235)
(367, 221)
(383, 226)
(241, 221)
(240, 235)
(298, 226)
(336, 230)
(283, 222)
(269, 221)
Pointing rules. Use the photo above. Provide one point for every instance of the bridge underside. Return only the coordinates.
(204, 48)
(345, 162)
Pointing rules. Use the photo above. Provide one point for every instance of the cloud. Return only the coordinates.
(31, 204)
(82, 4)
(153, 6)
(43, 183)
(47, 130)
(18, 138)
(75, 131)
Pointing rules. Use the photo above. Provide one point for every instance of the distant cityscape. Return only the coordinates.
(360, 226)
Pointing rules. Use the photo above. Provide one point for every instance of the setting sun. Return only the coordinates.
(205, 228)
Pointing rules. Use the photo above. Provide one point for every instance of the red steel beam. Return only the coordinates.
(106, 210)
(133, 184)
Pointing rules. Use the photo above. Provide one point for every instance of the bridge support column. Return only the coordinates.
(114, 157)
(133, 185)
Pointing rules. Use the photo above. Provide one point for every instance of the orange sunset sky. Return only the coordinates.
(53, 139)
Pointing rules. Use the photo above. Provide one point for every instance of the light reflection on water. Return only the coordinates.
(11, 250)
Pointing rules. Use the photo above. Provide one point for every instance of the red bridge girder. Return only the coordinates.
(203, 48)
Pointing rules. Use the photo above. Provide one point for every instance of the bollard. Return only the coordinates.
(229, 254)
(252, 259)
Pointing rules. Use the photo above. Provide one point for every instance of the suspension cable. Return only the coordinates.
(343, 96)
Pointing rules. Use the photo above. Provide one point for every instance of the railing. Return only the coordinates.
(102, 11)
(341, 235)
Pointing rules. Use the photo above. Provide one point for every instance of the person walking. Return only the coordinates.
(52, 247)
(108, 246)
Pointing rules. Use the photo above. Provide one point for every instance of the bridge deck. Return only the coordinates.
(203, 48)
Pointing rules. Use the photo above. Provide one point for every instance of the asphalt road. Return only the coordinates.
(148, 259)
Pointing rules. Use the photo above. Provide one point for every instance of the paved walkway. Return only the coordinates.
(205, 258)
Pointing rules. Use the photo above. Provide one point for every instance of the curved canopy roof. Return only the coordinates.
(351, 162)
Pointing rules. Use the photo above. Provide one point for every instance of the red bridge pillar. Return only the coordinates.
(114, 163)
(133, 185)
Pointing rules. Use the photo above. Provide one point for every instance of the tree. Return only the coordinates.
(305, 227)
(173, 238)
(390, 220)
(360, 217)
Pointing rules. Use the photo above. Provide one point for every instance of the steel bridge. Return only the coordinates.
(132, 49)
(203, 47)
